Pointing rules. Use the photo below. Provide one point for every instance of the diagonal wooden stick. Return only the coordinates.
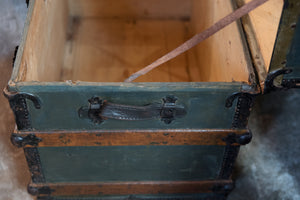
(240, 12)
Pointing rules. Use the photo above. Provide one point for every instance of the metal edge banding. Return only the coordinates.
(34, 164)
(231, 152)
(242, 113)
(244, 105)
(19, 107)
(230, 155)
(132, 138)
(18, 104)
(131, 188)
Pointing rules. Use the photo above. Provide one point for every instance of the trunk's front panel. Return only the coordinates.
(131, 163)
(194, 166)
(204, 104)
(114, 163)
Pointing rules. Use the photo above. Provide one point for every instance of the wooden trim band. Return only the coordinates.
(126, 138)
(131, 188)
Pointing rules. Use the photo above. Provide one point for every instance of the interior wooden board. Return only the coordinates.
(43, 54)
(106, 41)
(265, 20)
(113, 49)
(153, 9)
(223, 55)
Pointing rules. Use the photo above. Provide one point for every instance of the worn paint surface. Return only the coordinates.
(131, 163)
(293, 57)
(204, 103)
(287, 47)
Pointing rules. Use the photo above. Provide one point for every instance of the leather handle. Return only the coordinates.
(100, 110)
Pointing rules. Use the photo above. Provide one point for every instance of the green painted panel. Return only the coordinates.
(205, 104)
(131, 163)
(287, 46)
(148, 197)
(293, 57)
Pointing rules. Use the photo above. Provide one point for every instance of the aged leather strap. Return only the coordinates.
(99, 110)
(240, 12)
(132, 113)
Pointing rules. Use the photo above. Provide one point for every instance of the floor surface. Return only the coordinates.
(267, 168)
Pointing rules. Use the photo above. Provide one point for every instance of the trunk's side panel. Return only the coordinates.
(131, 163)
(204, 103)
(293, 57)
(287, 46)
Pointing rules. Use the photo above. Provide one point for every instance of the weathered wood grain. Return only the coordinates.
(132, 138)
(124, 188)
(124, 36)
(265, 21)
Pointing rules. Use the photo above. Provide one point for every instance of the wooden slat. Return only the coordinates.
(132, 138)
(257, 57)
(133, 9)
(221, 57)
(128, 188)
(42, 57)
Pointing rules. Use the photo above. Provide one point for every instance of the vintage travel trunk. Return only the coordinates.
(174, 133)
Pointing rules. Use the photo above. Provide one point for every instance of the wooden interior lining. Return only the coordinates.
(124, 9)
(43, 53)
(265, 20)
(125, 35)
(222, 56)
(109, 40)
(115, 47)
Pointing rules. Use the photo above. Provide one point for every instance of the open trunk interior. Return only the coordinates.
(106, 41)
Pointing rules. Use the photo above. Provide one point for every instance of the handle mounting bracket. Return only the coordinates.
(100, 110)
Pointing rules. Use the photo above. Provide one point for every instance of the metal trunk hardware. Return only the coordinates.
(99, 110)
(20, 141)
(17, 101)
(285, 83)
